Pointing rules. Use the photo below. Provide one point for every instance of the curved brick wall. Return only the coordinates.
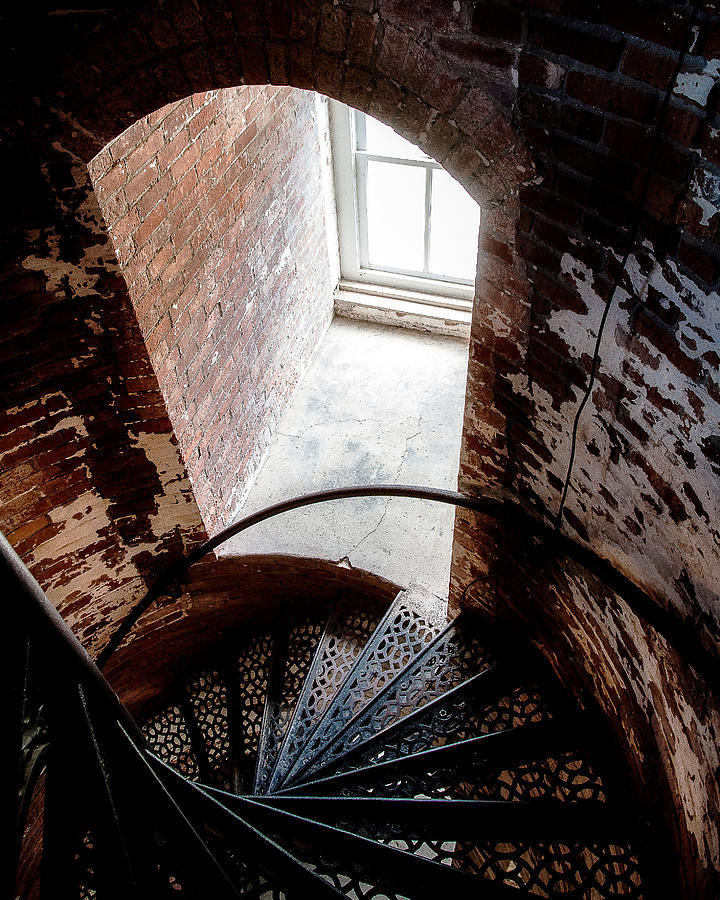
(93, 490)
(222, 594)
(545, 111)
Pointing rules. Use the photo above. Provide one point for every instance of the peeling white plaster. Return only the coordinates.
(557, 434)
(696, 86)
(70, 422)
(705, 191)
(174, 508)
(656, 560)
(696, 34)
(85, 520)
(39, 408)
(501, 324)
(571, 325)
(656, 556)
(63, 276)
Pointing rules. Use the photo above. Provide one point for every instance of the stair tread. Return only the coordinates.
(477, 706)
(451, 658)
(412, 622)
(230, 729)
(354, 861)
(523, 763)
(345, 635)
(295, 643)
(542, 860)
(463, 818)
(247, 676)
(399, 755)
(167, 736)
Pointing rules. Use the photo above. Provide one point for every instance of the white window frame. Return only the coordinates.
(350, 170)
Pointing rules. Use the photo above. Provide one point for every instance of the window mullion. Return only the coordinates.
(362, 224)
(360, 139)
(428, 210)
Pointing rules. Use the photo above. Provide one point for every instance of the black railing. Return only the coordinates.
(681, 636)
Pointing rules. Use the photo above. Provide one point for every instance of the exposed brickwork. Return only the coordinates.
(546, 112)
(589, 96)
(93, 491)
(215, 208)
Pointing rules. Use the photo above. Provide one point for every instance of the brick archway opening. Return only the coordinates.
(215, 208)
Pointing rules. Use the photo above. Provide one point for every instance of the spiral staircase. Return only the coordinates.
(367, 752)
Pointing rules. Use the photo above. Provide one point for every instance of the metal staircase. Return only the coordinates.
(369, 753)
(413, 757)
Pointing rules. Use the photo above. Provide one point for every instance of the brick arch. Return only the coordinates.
(152, 57)
(463, 123)
(121, 66)
(440, 101)
(146, 60)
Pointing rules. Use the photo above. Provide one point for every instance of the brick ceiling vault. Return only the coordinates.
(547, 113)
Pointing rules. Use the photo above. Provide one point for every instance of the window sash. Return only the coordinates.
(351, 169)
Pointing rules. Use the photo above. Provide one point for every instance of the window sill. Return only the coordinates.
(404, 309)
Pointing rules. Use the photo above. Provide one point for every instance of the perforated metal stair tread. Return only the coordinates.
(449, 660)
(409, 626)
(398, 755)
(294, 646)
(346, 633)
(517, 763)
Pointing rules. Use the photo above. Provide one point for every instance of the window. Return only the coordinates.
(403, 221)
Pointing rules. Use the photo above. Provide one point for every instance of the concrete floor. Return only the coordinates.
(378, 405)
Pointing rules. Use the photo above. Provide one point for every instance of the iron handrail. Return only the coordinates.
(27, 599)
(667, 623)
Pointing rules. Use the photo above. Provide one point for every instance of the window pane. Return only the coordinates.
(396, 215)
(454, 224)
(381, 140)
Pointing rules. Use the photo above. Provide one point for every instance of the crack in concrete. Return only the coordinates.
(371, 532)
(324, 424)
(389, 499)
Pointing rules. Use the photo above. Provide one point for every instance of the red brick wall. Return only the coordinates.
(93, 493)
(215, 208)
(644, 491)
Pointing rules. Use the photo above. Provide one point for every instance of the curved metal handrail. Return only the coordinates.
(668, 624)
(491, 506)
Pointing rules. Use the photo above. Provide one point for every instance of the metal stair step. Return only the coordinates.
(294, 645)
(451, 658)
(346, 633)
(411, 623)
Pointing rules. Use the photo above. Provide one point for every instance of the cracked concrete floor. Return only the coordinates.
(378, 405)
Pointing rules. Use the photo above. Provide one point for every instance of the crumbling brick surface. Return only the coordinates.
(93, 489)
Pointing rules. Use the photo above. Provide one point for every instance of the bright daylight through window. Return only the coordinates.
(403, 221)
